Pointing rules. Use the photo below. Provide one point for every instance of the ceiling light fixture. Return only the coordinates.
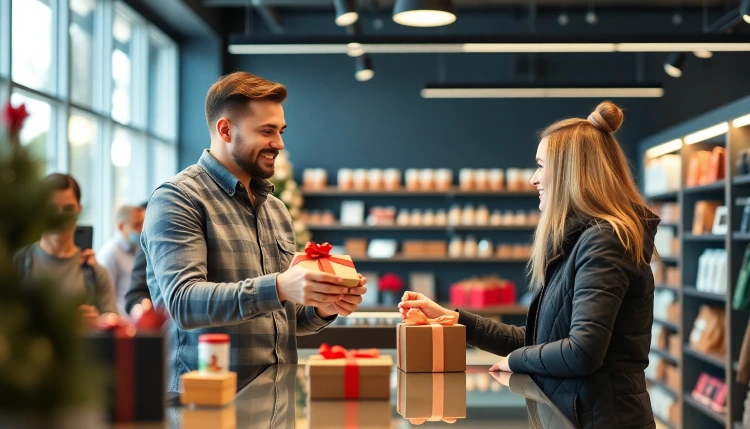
(365, 70)
(707, 133)
(591, 17)
(551, 91)
(674, 64)
(424, 13)
(354, 49)
(745, 10)
(741, 121)
(346, 12)
(703, 54)
(664, 148)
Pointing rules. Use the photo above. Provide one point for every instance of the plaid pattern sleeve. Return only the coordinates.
(212, 261)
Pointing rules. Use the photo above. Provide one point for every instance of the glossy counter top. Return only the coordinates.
(277, 398)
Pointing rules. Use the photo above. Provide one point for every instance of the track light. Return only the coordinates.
(346, 12)
(364, 71)
(745, 10)
(563, 19)
(591, 17)
(704, 54)
(674, 64)
(424, 13)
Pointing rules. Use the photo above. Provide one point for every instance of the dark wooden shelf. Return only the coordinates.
(438, 260)
(669, 325)
(704, 237)
(333, 191)
(664, 354)
(692, 291)
(741, 236)
(495, 310)
(662, 385)
(339, 227)
(715, 360)
(717, 417)
(711, 187)
(742, 180)
(664, 422)
(670, 260)
(665, 196)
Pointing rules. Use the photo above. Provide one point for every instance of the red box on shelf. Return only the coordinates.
(480, 294)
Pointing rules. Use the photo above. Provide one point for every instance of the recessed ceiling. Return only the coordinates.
(322, 4)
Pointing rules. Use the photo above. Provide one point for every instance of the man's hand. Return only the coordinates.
(306, 287)
(89, 314)
(348, 304)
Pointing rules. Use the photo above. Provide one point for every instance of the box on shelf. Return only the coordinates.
(703, 216)
(349, 414)
(317, 257)
(708, 334)
(356, 247)
(661, 370)
(698, 168)
(431, 397)
(673, 313)
(663, 339)
(673, 379)
(673, 276)
(336, 373)
(431, 345)
(675, 345)
(210, 389)
(482, 292)
(675, 415)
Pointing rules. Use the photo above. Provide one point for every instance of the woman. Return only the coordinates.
(588, 329)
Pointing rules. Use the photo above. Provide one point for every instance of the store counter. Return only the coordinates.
(475, 399)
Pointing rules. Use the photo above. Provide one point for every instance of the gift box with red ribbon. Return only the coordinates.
(431, 397)
(349, 415)
(480, 293)
(337, 373)
(134, 360)
(431, 345)
(317, 257)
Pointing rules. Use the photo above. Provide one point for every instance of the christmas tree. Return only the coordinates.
(287, 190)
(42, 370)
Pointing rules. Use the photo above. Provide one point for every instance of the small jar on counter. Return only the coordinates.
(213, 353)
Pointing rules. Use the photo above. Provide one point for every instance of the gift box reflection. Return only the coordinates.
(349, 414)
(432, 397)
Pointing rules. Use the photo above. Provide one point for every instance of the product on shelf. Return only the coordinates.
(717, 169)
(711, 392)
(698, 166)
(479, 292)
(664, 241)
(441, 218)
(663, 299)
(496, 179)
(314, 179)
(708, 333)
(359, 179)
(356, 247)
(466, 179)
(675, 345)
(412, 179)
(703, 216)
(382, 248)
(375, 180)
(426, 179)
(467, 215)
(470, 247)
(444, 179)
(496, 218)
(456, 247)
(662, 174)
(667, 212)
(428, 218)
(481, 180)
(345, 179)
(672, 378)
(482, 215)
(712, 271)
(665, 275)
(392, 179)
(484, 249)
(382, 216)
(431, 248)
(514, 178)
(403, 218)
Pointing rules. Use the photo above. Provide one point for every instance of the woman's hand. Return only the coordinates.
(428, 306)
(501, 365)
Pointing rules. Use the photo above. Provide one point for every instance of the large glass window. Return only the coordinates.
(36, 130)
(82, 49)
(128, 157)
(83, 135)
(122, 67)
(31, 48)
(162, 86)
(164, 162)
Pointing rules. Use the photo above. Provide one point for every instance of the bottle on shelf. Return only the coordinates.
(470, 247)
(456, 247)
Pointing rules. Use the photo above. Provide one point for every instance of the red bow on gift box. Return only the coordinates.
(351, 369)
(321, 253)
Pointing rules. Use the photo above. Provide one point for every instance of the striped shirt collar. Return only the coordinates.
(227, 181)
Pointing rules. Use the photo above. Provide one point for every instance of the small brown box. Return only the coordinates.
(415, 351)
(436, 248)
(327, 377)
(673, 378)
(349, 414)
(675, 345)
(673, 277)
(203, 417)
(356, 246)
(413, 248)
(208, 389)
(703, 217)
(673, 313)
(418, 395)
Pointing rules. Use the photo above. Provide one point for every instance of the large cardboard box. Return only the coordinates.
(328, 378)
(418, 352)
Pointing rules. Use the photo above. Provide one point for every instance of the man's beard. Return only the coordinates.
(250, 166)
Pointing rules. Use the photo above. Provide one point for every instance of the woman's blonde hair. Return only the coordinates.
(587, 175)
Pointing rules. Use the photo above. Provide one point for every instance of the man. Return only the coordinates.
(118, 254)
(216, 240)
(138, 296)
(57, 257)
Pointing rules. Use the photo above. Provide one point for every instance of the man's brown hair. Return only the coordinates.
(232, 94)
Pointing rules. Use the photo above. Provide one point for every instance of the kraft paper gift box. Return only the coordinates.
(340, 374)
(208, 389)
(349, 415)
(431, 345)
(317, 257)
(433, 397)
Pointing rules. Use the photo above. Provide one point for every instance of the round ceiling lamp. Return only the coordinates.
(346, 12)
(674, 64)
(364, 70)
(424, 13)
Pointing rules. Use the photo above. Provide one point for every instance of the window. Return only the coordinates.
(83, 134)
(32, 29)
(83, 69)
(100, 85)
(36, 130)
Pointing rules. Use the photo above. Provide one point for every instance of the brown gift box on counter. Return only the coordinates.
(433, 397)
(415, 348)
(327, 377)
(203, 417)
(349, 415)
(208, 389)
(317, 258)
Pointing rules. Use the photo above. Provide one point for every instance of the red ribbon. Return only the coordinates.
(321, 253)
(351, 369)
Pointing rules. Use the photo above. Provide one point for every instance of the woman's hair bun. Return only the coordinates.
(607, 117)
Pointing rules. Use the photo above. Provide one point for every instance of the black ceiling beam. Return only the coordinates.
(270, 16)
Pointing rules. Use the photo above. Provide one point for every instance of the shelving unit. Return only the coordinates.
(333, 191)
(662, 385)
(692, 362)
(447, 228)
(664, 354)
(667, 424)
(667, 324)
(441, 260)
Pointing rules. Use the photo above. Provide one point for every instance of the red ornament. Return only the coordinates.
(14, 117)
(390, 283)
